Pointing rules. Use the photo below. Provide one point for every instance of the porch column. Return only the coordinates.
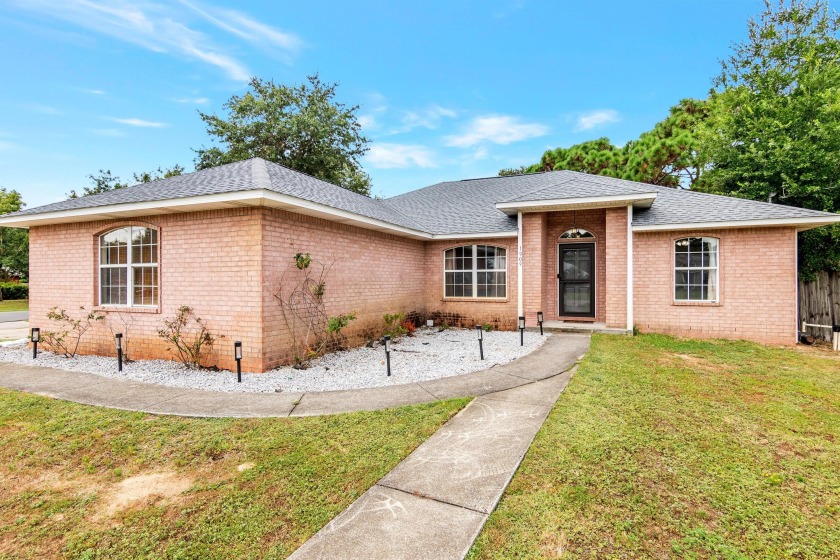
(533, 242)
(619, 268)
(629, 267)
(519, 302)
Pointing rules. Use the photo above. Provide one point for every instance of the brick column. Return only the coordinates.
(533, 251)
(616, 244)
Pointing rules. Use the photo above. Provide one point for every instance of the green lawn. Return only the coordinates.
(14, 305)
(63, 467)
(663, 448)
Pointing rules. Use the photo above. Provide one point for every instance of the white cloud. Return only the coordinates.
(240, 25)
(390, 156)
(140, 122)
(159, 28)
(499, 129)
(427, 118)
(191, 100)
(94, 91)
(5, 146)
(588, 121)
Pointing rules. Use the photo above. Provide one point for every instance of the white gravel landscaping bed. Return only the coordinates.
(427, 355)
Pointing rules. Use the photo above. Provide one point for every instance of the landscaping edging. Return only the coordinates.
(556, 355)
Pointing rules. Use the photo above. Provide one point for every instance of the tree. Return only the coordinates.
(667, 155)
(301, 127)
(105, 181)
(14, 242)
(774, 120)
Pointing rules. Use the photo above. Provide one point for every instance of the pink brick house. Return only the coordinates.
(579, 248)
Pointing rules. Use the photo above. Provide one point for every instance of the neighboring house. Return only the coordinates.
(579, 248)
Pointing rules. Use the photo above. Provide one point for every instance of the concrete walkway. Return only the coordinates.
(14, 316)
(557, 354)
(435, 502)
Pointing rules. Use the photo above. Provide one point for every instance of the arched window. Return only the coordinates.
(696, 269)
(128, 267)
(576, 233)
(475, 271)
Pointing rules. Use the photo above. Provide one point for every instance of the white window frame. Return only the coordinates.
(688, 269)
(129, 267)
(474, 270)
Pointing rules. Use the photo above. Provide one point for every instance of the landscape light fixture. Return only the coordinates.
(540, 321)
(237, 355)
(387, 340)
(36, 338)
(118, 338)
(480, 330)
(522, 331)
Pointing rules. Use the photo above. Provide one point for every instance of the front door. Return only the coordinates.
(577, 279)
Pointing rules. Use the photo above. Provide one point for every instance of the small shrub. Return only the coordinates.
(335, 324)
(302, 261)
(409, 328)
(69, 335)
(443, 327)
(394, 324)
(13, 290)
(189, 335)
(488, 327)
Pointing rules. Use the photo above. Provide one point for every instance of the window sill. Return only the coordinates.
(126, 309)
(476, 299)
(696, 303)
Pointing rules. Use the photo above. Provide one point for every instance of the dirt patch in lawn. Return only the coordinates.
(145, 487)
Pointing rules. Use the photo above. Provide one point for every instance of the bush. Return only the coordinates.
(12, 290)
(189, 335)
(394, 324)
(70, 331)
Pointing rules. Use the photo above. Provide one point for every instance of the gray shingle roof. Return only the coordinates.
(250, 174)
(455, 207)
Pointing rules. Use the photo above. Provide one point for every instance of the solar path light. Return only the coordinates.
(36, 338)
(118, 339)
(540, 321)
(480, 340)
(522, 331)
(387, 340)
(237, 355)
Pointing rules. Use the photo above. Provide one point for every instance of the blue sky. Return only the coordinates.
(448, 90)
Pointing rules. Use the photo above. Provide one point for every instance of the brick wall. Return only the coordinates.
(371, 274)
(464, 311)
(208, 260)
(757, 286)
(535, 256)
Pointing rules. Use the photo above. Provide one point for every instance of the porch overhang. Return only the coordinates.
(640, 200)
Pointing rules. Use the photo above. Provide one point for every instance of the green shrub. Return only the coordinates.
(394, 324)
(11, 290)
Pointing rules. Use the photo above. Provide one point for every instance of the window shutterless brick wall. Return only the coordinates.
(757, 286)
(226, 265)
(208, 260)
(468, 312)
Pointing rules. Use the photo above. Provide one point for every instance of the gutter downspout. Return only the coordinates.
(519, 280)
(630, 267)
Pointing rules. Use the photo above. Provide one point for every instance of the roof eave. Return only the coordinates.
(640, 200)
(800, 223)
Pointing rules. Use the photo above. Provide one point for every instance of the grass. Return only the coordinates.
(662, 447)
(14, 305)
(62, 464)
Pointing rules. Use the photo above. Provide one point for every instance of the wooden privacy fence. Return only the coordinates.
(819, 303)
